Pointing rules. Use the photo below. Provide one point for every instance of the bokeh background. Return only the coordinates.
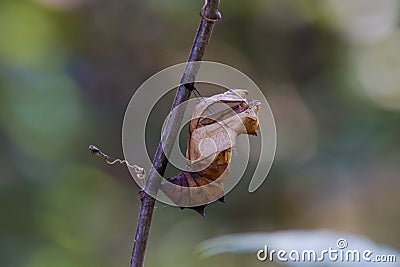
(330, 70)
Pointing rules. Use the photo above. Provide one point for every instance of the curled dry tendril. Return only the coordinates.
(140, 172)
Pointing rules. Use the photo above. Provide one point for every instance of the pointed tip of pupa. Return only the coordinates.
(200, 210)
(222, 199)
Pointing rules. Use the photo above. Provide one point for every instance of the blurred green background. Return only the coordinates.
(330, 70)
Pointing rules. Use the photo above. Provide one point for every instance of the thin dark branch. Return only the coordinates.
(210, 15)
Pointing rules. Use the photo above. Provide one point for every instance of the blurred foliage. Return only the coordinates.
(329, 68)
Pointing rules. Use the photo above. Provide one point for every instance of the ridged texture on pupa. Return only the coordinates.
(210, 142)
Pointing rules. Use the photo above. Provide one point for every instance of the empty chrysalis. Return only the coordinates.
(212, 137)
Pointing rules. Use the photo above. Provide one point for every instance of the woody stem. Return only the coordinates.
(210, 15)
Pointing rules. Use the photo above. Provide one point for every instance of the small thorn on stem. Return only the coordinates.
(141, 195)
(210, 17)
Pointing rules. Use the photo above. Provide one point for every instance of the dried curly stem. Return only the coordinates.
(140, 172)
(210, 15)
